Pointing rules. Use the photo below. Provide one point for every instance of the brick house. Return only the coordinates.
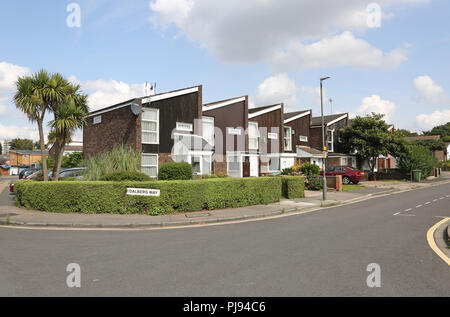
(297, 124)
(229, 121)
(333, 125)
(164, 127)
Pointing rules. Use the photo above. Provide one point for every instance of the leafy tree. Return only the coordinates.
(431, 145)
(37, 94)
(442, 130)
(369, 138)
(418, 157)
(21, 144)
(69, 116)
(405, 133)
(72, 160)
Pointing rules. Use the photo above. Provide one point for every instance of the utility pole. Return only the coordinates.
(324, 144)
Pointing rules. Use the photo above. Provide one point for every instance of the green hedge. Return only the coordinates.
(176, 171)
(293, 187)
(126, 176)
(176, 196)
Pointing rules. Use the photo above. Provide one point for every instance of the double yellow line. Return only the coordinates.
(432, 243)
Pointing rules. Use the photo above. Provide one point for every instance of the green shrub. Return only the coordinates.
(72, 160)
(176, 171)
(287, 171)
(309, 169)
(126, 176)
(120, 159)
(293, 187)
(418, 158)
(314, 183)
(176, 196)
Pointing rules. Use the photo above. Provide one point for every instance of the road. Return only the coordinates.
(324, 253)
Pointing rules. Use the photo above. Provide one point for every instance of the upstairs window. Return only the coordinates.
(287, 138)
(208, 129)
(330, 138)
(253, 136)
(150, 126)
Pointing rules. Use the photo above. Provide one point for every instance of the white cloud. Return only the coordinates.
(429, 92)
(429, 121)
(282, 88)
(250, 31)
(103, 93)
(337, 51)
(9, 74)
(378, 105)
(23, 132)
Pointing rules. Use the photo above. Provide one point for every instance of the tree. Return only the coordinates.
(35, 96)
(405, 133)
(369, 138)
(69, 116)
(442, 130)
(431, 145)
(418, 157)
(21, 144)
(72, 160)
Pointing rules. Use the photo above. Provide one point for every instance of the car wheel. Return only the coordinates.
(346, 180)
(356, 182)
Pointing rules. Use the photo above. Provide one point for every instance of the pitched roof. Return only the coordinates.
(310, 150)
(254, 110)
(317, 121)
(423, 138)
(293, 114)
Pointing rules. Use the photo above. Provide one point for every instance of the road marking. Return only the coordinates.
(398, 213)
(432, 243)
(427, 203)
(419, 206)
(442, 198)
(409, 209)
(435, 200)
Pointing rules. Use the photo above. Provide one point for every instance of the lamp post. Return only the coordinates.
(324, 145)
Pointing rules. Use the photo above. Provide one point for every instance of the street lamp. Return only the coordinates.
(324, 145)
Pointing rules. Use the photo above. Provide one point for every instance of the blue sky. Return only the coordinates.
(272, 50)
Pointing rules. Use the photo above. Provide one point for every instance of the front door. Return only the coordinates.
(246, 167)
(254, 166)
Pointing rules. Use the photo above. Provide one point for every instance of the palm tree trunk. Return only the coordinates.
(55, 160)
(44, 156)
(58, 165)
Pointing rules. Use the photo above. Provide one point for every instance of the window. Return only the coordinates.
(253, 134)
(274, 164)
(330, 138)
(150, 165)
(185, 127)
(196, 164)
(234, 166)
(98, 120)
(150, 126)
(208, 130)
(344, 161)
(303, 138)
(287, 138)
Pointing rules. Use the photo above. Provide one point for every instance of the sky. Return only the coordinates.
(389, 56)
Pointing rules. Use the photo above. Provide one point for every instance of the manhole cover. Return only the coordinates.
(6, 215)
(198, 215)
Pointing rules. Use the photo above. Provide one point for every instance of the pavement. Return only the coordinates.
(11, 215)
(333, 251)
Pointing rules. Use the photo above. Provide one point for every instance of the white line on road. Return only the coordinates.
(419, 206)
(408, 209)
(435, 200)
(442, 198)
(427, 203)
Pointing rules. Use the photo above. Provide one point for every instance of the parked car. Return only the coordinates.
(27, 172)
(76, 172)
(349, 174)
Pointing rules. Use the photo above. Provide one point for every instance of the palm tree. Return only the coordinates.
(37, 94)
(69, 116)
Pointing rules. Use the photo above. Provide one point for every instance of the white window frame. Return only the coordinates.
(157, 166)
(288, 136)
(330, 147)
(303, 138)
(255, 137)
(208, 120)
(279, 163)
(240, 161)
(157, 125)
(185, 127)
(97, 120)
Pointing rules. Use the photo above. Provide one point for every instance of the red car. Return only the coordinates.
(349, 174)
(29, 177)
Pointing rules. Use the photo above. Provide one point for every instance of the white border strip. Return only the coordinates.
(297, 117)
(109, 110)
(223, 104)
(259, 113)
(169, 95)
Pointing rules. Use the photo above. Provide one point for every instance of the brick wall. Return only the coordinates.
(117, 127)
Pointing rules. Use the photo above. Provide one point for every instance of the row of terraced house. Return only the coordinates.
(221, 137)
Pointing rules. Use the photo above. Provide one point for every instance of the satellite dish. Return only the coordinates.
(135, 108)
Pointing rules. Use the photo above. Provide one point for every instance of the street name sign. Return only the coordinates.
(143, 192)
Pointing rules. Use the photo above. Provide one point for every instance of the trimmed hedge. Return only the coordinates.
(176, 171)
(293, 187)
(176, 196)
(126, 176)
